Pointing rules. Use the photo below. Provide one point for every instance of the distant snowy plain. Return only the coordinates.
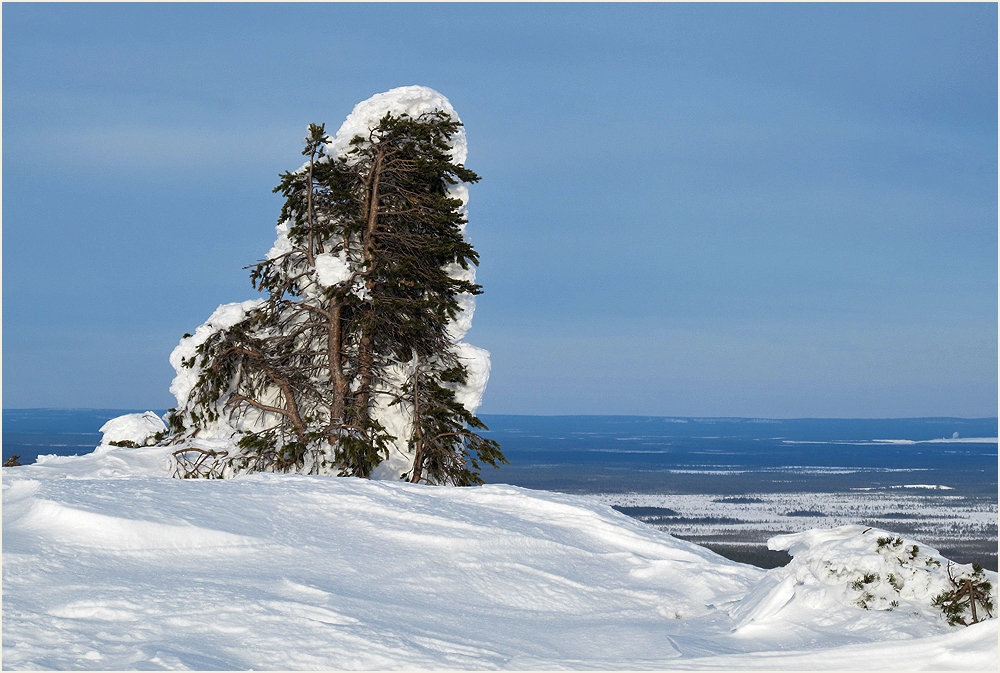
(942, 518)
(110, 564)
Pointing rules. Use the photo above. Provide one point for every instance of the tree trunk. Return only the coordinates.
(365, 355)
(418, 444)
(335, 364)
(972, 599)
(309, 210)
(292, 408)
(362, 397)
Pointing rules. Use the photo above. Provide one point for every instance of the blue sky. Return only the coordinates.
(701, 209)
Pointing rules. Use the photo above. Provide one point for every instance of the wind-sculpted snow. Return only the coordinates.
(138, 571)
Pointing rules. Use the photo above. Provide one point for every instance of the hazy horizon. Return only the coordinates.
(487, 414)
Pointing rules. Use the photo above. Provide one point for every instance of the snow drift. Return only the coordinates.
(108, 564)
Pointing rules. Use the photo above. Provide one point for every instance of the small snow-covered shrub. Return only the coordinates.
(133, 430)
(868, 569)
(883, 591)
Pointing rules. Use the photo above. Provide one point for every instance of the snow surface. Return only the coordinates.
(109, 565)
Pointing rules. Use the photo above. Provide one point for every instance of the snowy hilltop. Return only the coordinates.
(111, 564)
(339, 408)
(352, 362)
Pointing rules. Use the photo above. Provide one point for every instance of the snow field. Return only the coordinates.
(300, 572)
(308, 572)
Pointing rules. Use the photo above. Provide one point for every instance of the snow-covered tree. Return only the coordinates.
(351, 360)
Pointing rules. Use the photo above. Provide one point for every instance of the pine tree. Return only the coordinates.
(969, 593)
(444, 449)
(355, 320)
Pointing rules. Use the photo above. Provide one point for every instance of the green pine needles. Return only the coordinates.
(969, 600)
(354, 325)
